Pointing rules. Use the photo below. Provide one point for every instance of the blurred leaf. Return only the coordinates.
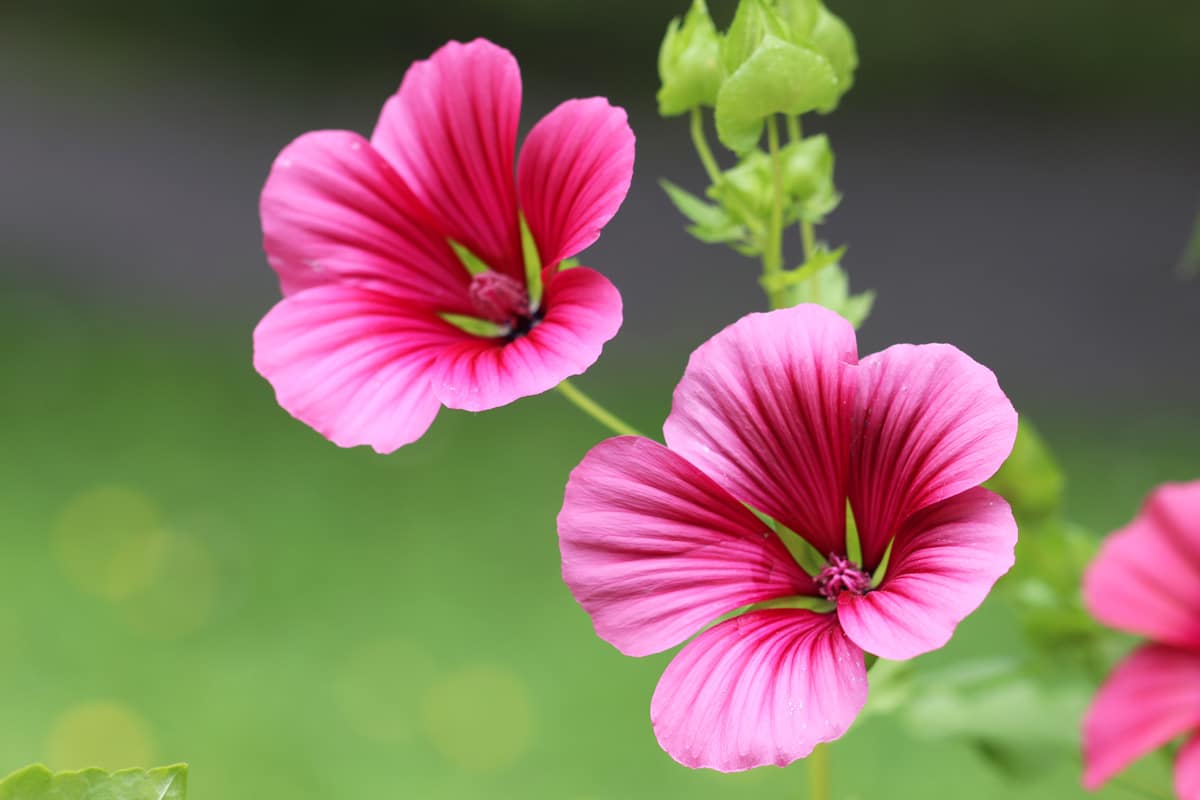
(1030, 479)
(823, 281)
(808, 179)
(38, 783)
(1189, 264)
(1021, 725)
(779, 77)
(689, 63)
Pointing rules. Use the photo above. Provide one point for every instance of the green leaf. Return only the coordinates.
(778, 77)
(823, 281)
(808, 179)
(689, 63)
(710, 223)
(799, 16)
(753, 21)
(38, 783)
(1030, 479)
(832, 38)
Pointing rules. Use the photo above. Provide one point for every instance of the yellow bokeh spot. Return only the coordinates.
(102, 734)
(181, 597)
(479, 718)
(378, 689)
(109, 541)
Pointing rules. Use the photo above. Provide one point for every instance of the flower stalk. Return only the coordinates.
(596, 411)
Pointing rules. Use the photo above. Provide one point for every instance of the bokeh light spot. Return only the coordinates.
(109, 541)
(479, 717)
(379, 687)
(100, 734)
(182, 596)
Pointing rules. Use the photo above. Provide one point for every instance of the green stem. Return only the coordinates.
(596, 411)
(772, 257)
(809, 238)
(793, 128)
(818, 773)
(702, 149)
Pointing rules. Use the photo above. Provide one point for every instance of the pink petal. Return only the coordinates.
(762, 688)
(1146, 578)
(929, 422)
(451, 133)
(945, 560)
(1187, 770)
(352, 363)
(583, 311)
(654, 550)
(1152, 697)
(574, 172)
(334, 210)
(764, 408)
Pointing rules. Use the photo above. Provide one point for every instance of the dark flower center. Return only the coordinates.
(842, 575)
(504, 300)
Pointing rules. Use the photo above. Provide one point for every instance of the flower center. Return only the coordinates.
(842, 575)
(504, 301)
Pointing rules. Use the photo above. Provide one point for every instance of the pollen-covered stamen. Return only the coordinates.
(503, 300)
(842, 575)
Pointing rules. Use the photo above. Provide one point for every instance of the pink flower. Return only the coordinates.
(360, 234)
(1146, 580)
(777, 412)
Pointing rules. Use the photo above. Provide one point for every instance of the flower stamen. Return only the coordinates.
(842, 575)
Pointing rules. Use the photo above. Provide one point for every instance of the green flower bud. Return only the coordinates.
(689, 63)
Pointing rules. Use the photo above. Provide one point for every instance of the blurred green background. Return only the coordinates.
(193, 576)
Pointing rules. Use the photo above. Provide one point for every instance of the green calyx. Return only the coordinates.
(689, 63)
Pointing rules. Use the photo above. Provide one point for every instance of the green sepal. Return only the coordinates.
(569, 263)
(689, 63)
(799, 16)
(474, 325)
(38, 783)
(473, 263)
(711, 223)
(533, 263)
(777, 78)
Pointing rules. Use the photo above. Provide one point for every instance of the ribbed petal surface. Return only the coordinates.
(946, 559)
(574, 172)
(1152, 697)
(929, 423)
(583, 311)
(352, 363)
(333, 209)
(1146, 578)
(451, 132)
(654, 550)
(764, 408)
(762, 688)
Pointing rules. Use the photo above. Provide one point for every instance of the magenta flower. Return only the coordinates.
(1146, 580)
(777, 412)
(360, 234)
